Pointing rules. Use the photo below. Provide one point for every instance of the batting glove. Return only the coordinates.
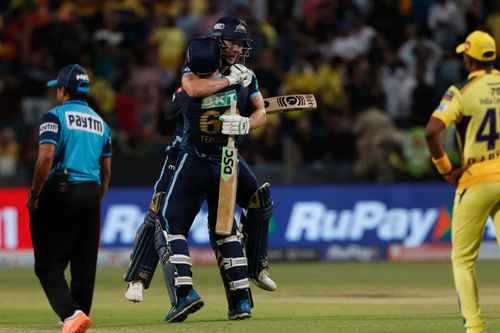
(234, 124)
(246, 74)
(239, 74)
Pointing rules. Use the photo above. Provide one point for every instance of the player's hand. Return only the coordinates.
(32, 205)
(234, 124)
(239, 74)
(454, 175)
(246, 74)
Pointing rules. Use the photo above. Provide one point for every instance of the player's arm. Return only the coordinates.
(105, 173)
(46, 153)
(199, 87)
(105, 163)
(434, 138)
(445, 114)
(258, 116)
(238, 125)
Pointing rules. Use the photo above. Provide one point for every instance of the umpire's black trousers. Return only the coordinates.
(65, 229)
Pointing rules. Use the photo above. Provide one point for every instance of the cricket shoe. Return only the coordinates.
(134, 291)
(264, 281)
(242, 311)
(185, 306)
(77, 323)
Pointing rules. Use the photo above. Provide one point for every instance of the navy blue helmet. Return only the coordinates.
(232, 28)
(203, 56)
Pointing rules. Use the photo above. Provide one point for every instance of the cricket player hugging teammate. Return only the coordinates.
(191, 175)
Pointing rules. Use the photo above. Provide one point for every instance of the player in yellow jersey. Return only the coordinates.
(474, 105)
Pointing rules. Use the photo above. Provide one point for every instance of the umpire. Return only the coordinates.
(71, 176)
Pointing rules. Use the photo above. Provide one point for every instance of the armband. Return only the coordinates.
(443, 164)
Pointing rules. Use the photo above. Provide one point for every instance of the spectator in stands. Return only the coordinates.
(9, 153)
(446, 21)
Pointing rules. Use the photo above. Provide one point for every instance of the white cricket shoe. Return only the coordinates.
(264, 281)
(134, 291)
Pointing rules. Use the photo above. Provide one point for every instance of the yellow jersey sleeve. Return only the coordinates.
(450, 108)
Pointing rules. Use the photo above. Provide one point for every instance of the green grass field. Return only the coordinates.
(351, 298)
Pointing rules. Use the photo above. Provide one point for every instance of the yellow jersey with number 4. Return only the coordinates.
(474, 105)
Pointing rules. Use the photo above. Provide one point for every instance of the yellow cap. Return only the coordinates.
(477, 44)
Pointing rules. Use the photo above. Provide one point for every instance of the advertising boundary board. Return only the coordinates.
(361, 222)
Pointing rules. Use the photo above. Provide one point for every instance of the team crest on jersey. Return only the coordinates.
(49, 127)
(218, 100)
(84, 122)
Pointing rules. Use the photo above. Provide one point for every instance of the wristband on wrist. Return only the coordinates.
(443, 164)
(33, 195)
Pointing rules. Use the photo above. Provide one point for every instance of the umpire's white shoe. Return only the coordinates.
(264, 281)
(134, 291)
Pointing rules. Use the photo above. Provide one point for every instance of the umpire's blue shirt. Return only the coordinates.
(81, 138)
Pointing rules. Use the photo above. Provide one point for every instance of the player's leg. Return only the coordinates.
(51, 235)
(144, 258)
(181, 204)
(86, 212)
(232, 265)
(257, 204)
(471, 209)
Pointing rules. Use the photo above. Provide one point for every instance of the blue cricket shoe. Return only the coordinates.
(242, 311)
(185, 306)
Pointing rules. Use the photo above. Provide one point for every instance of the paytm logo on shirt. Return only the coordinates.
(84, 122)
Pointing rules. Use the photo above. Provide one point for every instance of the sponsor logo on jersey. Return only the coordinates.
(218, 100)
(84, 122)
(49, 127)
(442, 107)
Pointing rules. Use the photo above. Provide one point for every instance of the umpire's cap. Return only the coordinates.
(72, 78)
(479, 45)
(203, 56)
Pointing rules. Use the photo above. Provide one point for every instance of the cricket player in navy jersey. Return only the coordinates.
(474, 106)
(71, 177)
(196, 179)
(234, 35)
(144, 258)
(233, 38)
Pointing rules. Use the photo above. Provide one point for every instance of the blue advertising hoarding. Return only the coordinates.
(339, 221)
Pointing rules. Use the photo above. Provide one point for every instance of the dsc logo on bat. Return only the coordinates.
(228, 162)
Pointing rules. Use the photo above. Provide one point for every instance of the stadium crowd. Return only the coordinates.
(377, 69)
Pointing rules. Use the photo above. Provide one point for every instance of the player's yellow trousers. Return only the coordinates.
(470, 212)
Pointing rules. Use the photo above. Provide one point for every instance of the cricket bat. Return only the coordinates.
(288, 103)
(227, 185)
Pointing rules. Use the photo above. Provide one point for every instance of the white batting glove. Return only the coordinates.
(234, 77)
(246, 74)
(239, 74)
(234, 124)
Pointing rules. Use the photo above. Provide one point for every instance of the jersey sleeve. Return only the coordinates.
(50, 129)
(106, 150)
(253, 88)
(449, 109)
(174, 109)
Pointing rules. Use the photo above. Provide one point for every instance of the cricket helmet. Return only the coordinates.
(232, 28)
(203, 56)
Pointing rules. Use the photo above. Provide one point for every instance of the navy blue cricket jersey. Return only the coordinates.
(202, 128)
